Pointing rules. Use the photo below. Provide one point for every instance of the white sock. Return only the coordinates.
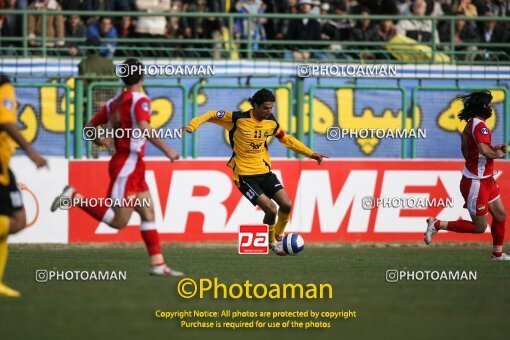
(146, 225)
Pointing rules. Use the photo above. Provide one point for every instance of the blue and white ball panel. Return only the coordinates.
(293, 244)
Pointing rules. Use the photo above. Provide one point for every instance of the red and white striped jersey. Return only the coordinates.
(125, 111)
(477, 165)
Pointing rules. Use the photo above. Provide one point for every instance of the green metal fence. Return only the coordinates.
(89, 110)
(296, 101)
(232, 48)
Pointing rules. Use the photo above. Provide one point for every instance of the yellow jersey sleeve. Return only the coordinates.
(292, 143)
(8, 104)
(220, 117)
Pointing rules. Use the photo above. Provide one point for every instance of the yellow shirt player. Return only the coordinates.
(251, 163)
(12, 212)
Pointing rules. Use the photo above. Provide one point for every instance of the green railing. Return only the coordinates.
(269, 49)
(67, 96)
(195, 113)
(506, 107)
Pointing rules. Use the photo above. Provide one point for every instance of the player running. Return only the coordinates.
(250, 161)
(478, 186)
(12, 211)
(129, 110)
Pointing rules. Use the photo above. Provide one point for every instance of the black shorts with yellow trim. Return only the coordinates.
(252, 186)
(10, 197)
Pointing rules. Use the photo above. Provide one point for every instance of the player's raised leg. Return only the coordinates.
(150, 236)
(498, 213)
(69, 198)
(285, 207)
(478, 226)
(476, 194)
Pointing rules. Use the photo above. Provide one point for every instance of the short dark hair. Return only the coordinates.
(132, 74)
(475, 104)
(101, 19)
(262, 96)
(4, 79)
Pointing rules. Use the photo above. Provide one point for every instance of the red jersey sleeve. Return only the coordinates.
(143, 110)
(100, 118)
(482, 134)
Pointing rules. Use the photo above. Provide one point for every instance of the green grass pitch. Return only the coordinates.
(125, 309)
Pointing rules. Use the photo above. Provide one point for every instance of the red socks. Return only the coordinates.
(148, 230)
(461, 226)
(150, 236)
(498, 235)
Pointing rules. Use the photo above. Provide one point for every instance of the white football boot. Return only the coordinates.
(63, 201)
(503, 257)
(164, 270)
(277, 248)
(431, 230)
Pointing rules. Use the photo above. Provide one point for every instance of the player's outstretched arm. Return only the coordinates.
(297, 146)
(220, 117)
(158, 142)
(13, 132)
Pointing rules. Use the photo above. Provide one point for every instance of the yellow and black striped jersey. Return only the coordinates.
(248, 139)
(8, 110)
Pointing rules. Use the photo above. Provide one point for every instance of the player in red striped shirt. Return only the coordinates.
(129, 110)
(478, 186)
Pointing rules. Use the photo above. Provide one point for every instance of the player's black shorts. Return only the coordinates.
(10, 197)
(255, 185)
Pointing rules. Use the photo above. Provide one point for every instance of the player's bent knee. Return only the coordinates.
(147, 215)
(272, 210)
(268, 207)
(286, 207)
(480, 228)
(501, 216)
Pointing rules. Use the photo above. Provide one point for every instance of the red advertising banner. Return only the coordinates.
(339, 201)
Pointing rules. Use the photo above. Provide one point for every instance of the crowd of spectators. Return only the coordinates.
(174, 36)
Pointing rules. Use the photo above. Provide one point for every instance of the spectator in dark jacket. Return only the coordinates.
(74, 28)
(303, 29)
(491, 32)
(365, 31)
(465, 33)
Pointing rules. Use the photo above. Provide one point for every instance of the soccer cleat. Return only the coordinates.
(277, 248)
(503, 257)
(63, 201)
(431, 230)
(164, 270)
(9, 292)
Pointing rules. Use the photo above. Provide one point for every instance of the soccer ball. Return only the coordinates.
(293, 244)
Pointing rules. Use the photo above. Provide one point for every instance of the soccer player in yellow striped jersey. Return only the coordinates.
(251, 163)
(12, 212)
